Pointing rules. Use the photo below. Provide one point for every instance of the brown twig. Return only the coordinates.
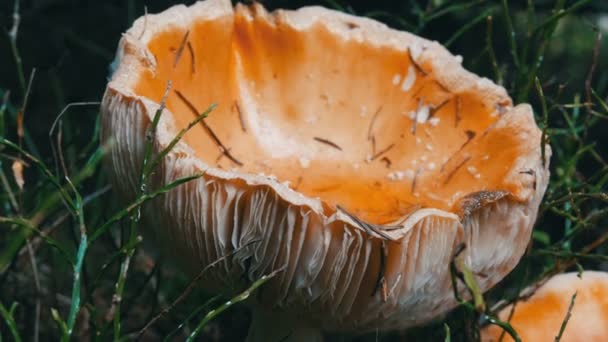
(532, 173)
(180, 50)
(211, 133)
(328, 142)
(387, 162)
(416, 94)
(381, 152)
(415, 118)
(192, 60)
(434, 110)
(414, 181)
(368, 227)
(444, 88)
(218, 158)
(470, 135)
(370, 129)
(240, 113)
(490, 128)
(457, 113)
(453, 172)
(412, 209)
(373, 140)
(416, 65)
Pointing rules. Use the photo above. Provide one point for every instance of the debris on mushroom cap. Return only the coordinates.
(540, 317)
(363, 212)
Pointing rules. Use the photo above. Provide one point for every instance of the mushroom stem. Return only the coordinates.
(268, 326)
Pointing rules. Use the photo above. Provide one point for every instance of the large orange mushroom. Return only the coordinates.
(356, 157)
(576, 304)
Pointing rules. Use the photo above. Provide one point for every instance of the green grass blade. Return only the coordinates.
(452, 9)
(491, 53)
(75, 306)
(49, 175)
(186, 321)
(559, 13)
(466, 28)
(544, 138)
(151, 135)
(508, 328)
(137, 203)
(3, 106)
(177, 138)
(9, 319)
(562, 328)
(60, 324)
(599, 100)
(392, 18)
(239, 298)
(27, 226)
(510, 32)
(12, 35)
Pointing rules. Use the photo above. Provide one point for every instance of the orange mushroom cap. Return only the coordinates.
(351, 154)
(540, 317)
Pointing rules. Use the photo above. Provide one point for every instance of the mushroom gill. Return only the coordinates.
(352, 153)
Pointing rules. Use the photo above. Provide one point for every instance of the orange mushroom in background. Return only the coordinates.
(350, 156)
(541, 317)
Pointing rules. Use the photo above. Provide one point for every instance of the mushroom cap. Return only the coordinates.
(540, 317)
(354, 157)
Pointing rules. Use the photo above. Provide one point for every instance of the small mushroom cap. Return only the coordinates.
(353, 157)
(540, 317)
